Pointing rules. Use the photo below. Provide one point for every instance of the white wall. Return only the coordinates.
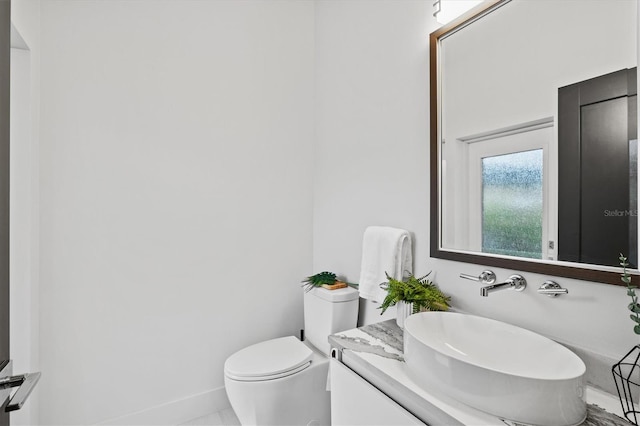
(371, 127)
(24, 241)
(176, 205)
(372, 169)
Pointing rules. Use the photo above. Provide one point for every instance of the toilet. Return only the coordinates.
(284, 381)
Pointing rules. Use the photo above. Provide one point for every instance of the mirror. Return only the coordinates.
(533, 137)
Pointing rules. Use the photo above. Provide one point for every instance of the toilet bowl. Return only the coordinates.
(284, 381)
(278, 394)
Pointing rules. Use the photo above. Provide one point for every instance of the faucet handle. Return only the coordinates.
(552, 289)
(518, 283)
(486, 277)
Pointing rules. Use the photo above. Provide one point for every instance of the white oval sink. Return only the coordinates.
(498, 368)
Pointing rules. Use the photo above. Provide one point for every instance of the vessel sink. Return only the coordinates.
(501, 369)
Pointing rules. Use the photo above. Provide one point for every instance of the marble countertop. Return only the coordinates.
(375, 352)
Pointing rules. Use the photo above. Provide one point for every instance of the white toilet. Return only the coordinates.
(284, 381)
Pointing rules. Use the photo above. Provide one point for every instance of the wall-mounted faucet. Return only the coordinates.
(515, 282)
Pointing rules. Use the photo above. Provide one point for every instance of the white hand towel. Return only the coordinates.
(384, 249)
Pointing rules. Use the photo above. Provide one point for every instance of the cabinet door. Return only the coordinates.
(354, 402)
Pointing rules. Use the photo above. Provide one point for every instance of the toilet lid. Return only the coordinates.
(268, 360)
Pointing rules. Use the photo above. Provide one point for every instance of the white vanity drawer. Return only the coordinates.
(354, 402)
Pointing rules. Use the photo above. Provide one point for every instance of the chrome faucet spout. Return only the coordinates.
(514, 282)
(484, 291)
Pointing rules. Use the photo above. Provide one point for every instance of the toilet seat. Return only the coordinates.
(268, 360)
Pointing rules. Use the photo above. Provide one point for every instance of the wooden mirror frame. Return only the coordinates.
(540, 267)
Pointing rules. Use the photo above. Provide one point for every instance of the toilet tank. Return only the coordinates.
(327, 312)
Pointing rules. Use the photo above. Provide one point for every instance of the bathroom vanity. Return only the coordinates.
(370, 384)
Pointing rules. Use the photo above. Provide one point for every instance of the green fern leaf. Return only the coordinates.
(419, 291)
(319, 279)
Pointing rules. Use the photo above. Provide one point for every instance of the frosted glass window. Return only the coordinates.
(512, 204)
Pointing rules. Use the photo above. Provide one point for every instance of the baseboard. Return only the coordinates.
(176, 412)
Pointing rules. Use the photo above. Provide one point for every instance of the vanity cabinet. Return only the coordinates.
(354, 402)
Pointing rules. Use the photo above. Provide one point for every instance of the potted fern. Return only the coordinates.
(413, 295)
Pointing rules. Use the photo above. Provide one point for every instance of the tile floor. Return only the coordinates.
(225, 417)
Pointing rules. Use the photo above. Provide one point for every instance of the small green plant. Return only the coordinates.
(326, 277)
(424, 294)
(634, 306)
(319, 279)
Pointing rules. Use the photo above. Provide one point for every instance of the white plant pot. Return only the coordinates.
(403, 310)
